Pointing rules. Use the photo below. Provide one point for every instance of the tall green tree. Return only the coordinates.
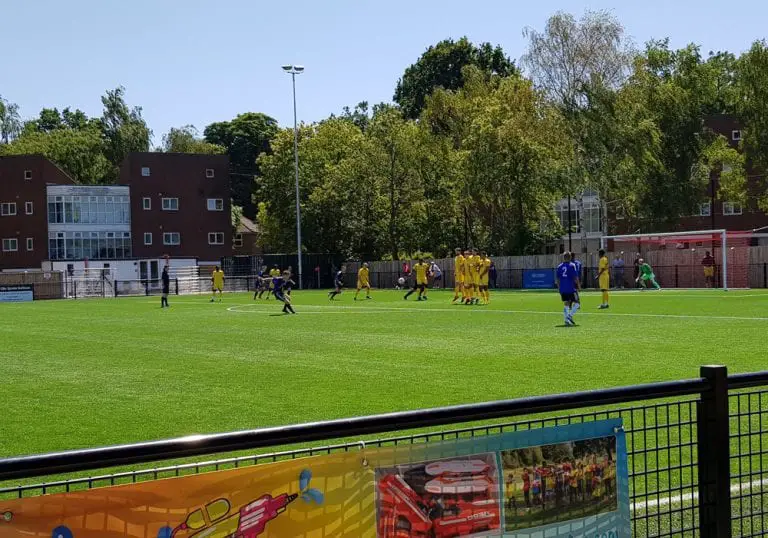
(186, 140)
(751, 90)
(10, 121)
(572, 61)
(511, 145)
(123, 128)
(244, 138)
(441, 66)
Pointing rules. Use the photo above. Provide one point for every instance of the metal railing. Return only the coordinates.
(669, 276)
(697, 449)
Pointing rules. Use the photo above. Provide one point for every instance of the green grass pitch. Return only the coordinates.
(104, 371)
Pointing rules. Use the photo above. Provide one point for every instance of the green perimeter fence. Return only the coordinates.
(697, 449)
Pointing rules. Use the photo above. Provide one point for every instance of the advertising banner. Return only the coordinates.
(16, 294)
(567, 481)
(538, 279)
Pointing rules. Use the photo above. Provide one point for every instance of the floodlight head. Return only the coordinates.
(298, 68)
(287, 68)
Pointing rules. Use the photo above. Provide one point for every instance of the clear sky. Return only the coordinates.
(196, 62)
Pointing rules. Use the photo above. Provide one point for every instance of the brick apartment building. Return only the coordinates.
(166, 204)
(180, 205)
(23, 209)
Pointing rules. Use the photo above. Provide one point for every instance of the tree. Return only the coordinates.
(441, 67)
(244, 139)
(509, 146)
(751, 90)
(571, 61)
(569, 55)
(10, 121)
(50, 119)
(78, 152)
(123, 128)
(185, 140)
(676, 89)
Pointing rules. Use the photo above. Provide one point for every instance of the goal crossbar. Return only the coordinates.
(650, 236)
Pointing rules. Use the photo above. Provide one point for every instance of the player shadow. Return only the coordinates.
(564, 326)
(280, 315)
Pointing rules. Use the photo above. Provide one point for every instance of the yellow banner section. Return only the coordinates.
(322, 496)
(446, 489)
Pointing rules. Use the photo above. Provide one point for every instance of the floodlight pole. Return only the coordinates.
(294, 70)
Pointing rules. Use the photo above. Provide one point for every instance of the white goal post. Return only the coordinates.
(654, 237)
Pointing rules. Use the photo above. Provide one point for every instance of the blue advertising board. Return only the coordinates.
(16, 294)
(538, 279)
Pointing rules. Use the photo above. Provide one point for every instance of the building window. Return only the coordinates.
(147, 238)
(27, 175)
(592, 216)
(171, 238)
(732, 208)
(30, 244)
(209, 173)
(7, 209)
(216, 238)
(705, 210)
(145, 171)
(215, 204)
(89, 210)
(146, 203)
(735, 135)
(170, 204)
(28, 208)
(91, 245)
(238, 240)
(10, 245)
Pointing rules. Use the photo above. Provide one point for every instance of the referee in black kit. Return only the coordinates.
(166, 288)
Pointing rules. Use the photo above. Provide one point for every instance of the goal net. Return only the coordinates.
(700, 259)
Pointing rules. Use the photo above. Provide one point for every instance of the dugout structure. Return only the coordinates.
(677, 257)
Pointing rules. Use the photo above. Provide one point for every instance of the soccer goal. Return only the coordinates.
(697, 259)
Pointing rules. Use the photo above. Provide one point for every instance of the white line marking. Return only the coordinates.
(459, 308)
(688, 497)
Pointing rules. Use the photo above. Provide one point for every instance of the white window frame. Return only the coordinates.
(27, 175)
(147, 235)
(215, 238)
(29, 208)
(30, 244)
(237, 241)
(216, 202)
(145, 171)
(705, 212)
(168, 239)
(729, 209)
(146, 203)
(209, 173)
(5, 209)
(7, 242)
(736, 135)
(169, 208)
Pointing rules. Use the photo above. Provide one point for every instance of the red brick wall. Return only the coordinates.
(14, 188)
(182, 176)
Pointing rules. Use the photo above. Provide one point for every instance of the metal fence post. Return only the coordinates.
(714, 455)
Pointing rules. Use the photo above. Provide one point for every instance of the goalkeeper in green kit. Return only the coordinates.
(646, 275)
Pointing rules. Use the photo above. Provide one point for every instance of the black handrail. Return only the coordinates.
(744, 381)
(198, 445)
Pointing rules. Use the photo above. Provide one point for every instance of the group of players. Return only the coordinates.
(472, 273)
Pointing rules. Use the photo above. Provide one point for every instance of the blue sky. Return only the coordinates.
(194, 61)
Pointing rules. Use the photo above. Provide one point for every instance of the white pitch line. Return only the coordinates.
(688, 497)
(352, 309)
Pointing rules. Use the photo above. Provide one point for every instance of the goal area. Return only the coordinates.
(679, 259)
